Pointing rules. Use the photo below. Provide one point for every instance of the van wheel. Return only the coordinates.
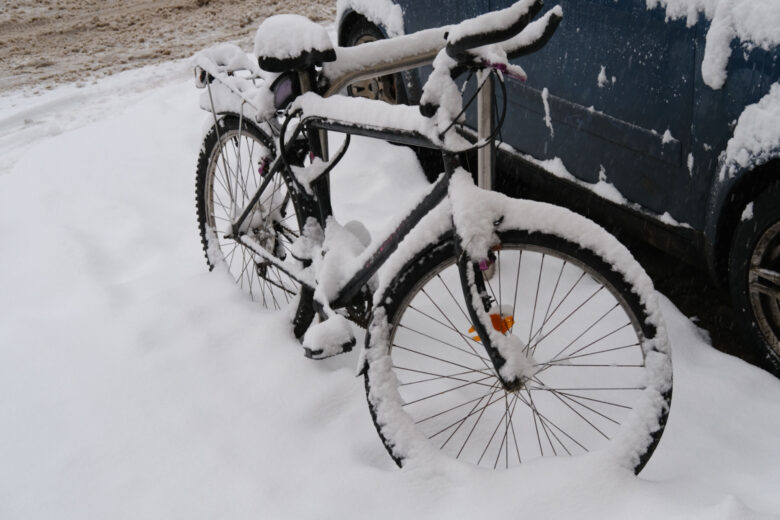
(387, 88)
(754, 275)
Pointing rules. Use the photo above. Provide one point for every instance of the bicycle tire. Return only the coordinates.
(228, 174)
(418, 327)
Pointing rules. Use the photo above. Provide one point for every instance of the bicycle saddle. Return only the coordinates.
(291, 42)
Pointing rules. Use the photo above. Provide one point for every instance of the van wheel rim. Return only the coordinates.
(764, 285)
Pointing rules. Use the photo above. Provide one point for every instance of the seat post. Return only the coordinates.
(486, 154)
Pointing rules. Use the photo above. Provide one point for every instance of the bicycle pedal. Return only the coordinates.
(328, 338)
(320, 353)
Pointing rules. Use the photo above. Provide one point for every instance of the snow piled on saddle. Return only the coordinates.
(288, 36)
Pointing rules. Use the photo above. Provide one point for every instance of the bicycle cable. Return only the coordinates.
(495, 131)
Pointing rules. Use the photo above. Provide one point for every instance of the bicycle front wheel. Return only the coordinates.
(602, 377)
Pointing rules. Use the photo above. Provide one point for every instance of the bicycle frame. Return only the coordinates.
(452, 237)
(419, 50)
(406, 52)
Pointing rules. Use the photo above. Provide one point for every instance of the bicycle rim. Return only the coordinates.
(237, 166)
(588, 340)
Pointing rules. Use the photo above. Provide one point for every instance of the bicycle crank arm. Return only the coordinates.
(300, 275)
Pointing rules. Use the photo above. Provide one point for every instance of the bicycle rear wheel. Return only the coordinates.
(603, 373)
(233, 163)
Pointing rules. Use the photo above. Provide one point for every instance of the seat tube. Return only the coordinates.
(305, 78)
(486, 154)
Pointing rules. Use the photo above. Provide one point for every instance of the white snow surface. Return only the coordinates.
(753, 22)
(383, 13)
(757, 134)
(136, 384)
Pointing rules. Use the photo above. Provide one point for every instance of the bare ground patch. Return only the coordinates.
(46, 42)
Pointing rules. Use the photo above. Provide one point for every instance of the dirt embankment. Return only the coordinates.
(45, 42)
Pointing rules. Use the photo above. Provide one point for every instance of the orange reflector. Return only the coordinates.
(501, 324)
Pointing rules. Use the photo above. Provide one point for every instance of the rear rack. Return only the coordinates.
(234, 83)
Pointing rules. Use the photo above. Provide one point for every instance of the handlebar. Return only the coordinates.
(490, 28)
(535, 36)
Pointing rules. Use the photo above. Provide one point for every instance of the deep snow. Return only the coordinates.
(135, 384)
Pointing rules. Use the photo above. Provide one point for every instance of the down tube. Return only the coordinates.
(389, 246)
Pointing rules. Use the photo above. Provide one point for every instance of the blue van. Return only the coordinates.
(646, 115)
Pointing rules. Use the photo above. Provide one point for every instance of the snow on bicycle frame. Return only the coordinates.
(336, 269)
(486, 42)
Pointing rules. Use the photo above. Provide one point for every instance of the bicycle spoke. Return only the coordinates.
(554, 292)
(431, 356)
(555, 310)
(517, 286)
(476, 422)
(436, 377)
(536, 300)
(564, 349)
(609, 403)
(470, 353)
(492, 436)
(452, 325)
(498, 267)
(512, 427)
(575, 411)
(544, 336)
(573, 400)
(551, 424)
(559, 361)
(462, 421)
(541, 421)
(455, 300)
(591, 388)
(459, 333)
(439, 414)
(506, 434)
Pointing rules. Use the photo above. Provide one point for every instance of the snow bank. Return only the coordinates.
(753, 22)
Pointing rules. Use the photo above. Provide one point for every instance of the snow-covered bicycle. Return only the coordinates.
(498, 330)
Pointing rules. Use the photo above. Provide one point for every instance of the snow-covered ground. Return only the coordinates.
(135, 384)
